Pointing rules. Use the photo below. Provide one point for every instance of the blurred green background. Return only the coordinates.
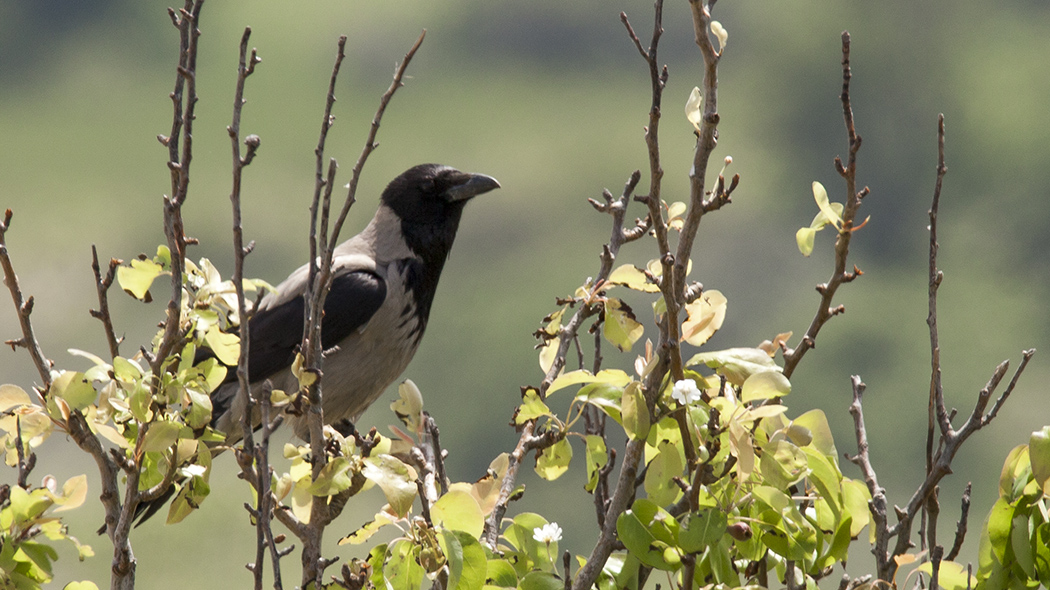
(550, 98)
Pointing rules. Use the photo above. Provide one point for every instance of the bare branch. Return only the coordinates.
(257, 472)
(960, 529)
(320, 278)
(570, 329)
(936, 411)
(102, 285)
(871, 480)
(23, 308)
(179, 158)
(841, 274)
(623, 494)
(707, 138)
(370, 143)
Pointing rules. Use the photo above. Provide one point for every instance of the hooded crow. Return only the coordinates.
(375, 314)
(383, 286)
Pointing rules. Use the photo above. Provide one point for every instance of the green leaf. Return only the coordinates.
(368, 529)
(817, 424)
(764, 385)
(839, 548)
(660, 532)
(12, 396)
(597, 457)
(609, 376)
(541, 581)
(139, 401)
(632, 277)
(1021, 545)
(639, 541)
(1039, 456)
(826, 478)
(137, 278)
(394, 478)
(75, 389)
(1041, 552)
(855, 498)
(199, 412)
(548, 354)
(605, 396)
(721, 563)
(531, 408)
(226, 346)
(333, 478)
(951, 575)
(1000, 520)
(193, 492)
(659, 483)
(126, 370)
(80, 586)
(409, 406)
(701, 530)
(403, 571)
(664, 431)
(782, 464)
(160, 436)
(1016, 468)
(533, 553)
(377, 559)
(635, 412)
(831, 214)
(553, 461)
(705, 317)
(458, 511)
(737, 364)
(41, 555)
(620, 327)
(501, 573)
(466, 560)
(74, 492)
(805, 238)
(26, 506)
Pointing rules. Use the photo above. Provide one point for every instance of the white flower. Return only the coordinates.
(686, 392)
(721, 33)
(548, 533)
(692, 108)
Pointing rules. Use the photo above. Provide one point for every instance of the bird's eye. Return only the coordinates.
(427, 186)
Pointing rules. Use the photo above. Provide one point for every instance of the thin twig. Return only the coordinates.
(527, 441)
(937, 415)
(23, 307)
(862, 459)
(102, 285)
(320, 278)
(179, 159)
(960, 529)
(841, 274)
(623, 493)
(706, 141)
(258, 474)
(370, 143)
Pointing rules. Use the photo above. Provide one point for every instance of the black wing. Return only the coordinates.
(275, 332)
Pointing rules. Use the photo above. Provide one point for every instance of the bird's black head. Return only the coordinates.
(431, 194)
(429, 201)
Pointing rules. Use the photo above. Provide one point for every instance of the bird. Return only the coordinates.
(383, 287)
(378, 307)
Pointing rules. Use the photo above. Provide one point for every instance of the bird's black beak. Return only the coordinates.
(475, 185)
